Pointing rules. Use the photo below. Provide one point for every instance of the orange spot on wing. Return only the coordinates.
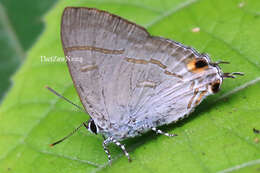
(193, 67)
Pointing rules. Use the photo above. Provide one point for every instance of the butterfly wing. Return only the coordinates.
(124, 76)
(95, 44)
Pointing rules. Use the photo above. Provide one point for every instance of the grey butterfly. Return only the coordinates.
(128, 81)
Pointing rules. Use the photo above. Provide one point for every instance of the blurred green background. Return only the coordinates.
(21, 23)
(217, 137)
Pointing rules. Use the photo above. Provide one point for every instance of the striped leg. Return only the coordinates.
(123, 148)
(163, 133)
(105, 143)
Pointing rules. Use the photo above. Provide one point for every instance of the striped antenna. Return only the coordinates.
(59, 141)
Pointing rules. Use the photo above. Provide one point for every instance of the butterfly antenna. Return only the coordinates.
(59, 141)
(219, 62)
(64, 98)
(232, 75)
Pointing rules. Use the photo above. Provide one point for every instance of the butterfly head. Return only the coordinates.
(92, 127)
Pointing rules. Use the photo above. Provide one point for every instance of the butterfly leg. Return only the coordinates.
(162, 133)
(123, 148)
(105, 143)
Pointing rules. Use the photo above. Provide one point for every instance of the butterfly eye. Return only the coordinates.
(215, 86)
(93, 127)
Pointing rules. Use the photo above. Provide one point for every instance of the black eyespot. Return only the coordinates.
(93, 127)
(200, 63)
(215, 87)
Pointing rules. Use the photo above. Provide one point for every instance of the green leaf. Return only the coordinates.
(20, 25)
(217, 137)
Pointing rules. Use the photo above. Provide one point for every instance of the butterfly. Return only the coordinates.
(128, 81)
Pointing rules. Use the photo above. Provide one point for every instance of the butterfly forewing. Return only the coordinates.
(128, 79)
